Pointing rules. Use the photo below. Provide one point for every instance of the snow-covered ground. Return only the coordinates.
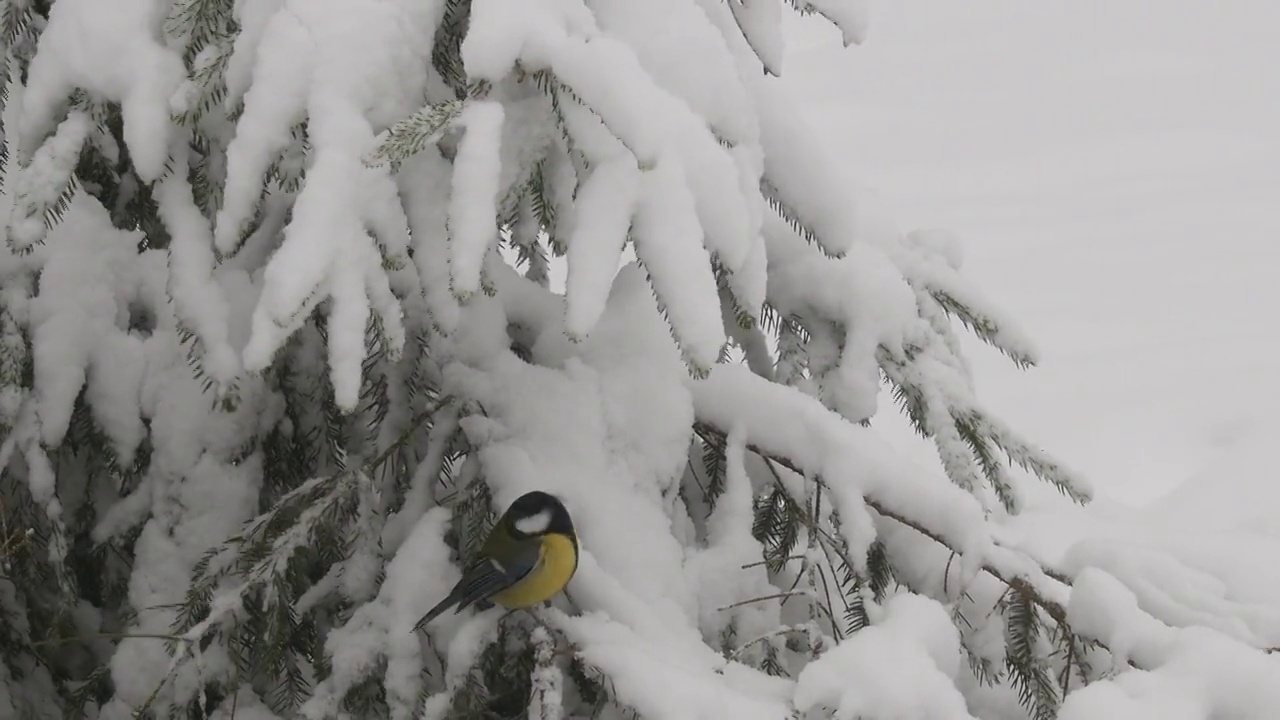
(1113, 167)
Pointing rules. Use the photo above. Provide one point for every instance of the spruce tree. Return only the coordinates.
(279, 336)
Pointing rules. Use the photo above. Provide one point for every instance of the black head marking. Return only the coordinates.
(531, 505)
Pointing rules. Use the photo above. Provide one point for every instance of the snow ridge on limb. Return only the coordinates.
(43, 189)
(930, 260)
(761, 25)
(853, 17)
(874, 313)
(608, 103)
(111, 50)
(606, 203)
(198, 300)
(931, 384)
(1196, 671)
(668, 242)
(414, 133)
(328, 63)
(798, 436)
(801, 181)
(788, 424)
(473, 201)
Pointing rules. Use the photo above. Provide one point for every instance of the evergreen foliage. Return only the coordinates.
(282, 509)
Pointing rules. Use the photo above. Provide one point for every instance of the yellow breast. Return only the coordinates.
(558, 561)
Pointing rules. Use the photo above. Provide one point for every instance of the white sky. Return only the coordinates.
(1114, 169)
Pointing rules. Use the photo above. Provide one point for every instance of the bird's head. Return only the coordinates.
(538, 513)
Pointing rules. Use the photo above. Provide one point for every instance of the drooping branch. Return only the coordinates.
(1018, 583)
(1022, 582)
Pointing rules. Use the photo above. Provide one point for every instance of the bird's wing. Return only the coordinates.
(485, 577)
(489, 576)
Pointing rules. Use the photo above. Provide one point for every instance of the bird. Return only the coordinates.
(528, 557)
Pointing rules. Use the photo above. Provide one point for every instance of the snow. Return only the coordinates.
(668, 37)
(366, 56)
(850, 457)
(903, 666)
(605, 204)
(668, 240)
(761, 24)
(346, 65)
(862, 290)
(167, 550)
(38, 186)
(423, 178)
(109, 48)
(621, 412)
(417, 575)
(853, 17)
(616, 80)
(86, 269)
(113, 384)
(198, 301)
(474, 197)
(638, 665)
(1197, 671)
(501, 33)
(547, 700)
(1054, 174)
(347, 318)
(1084, 194)
(932, 259)
(727, 572)
(1179, 593)
(610, 80)
(272, 105)
(93, 280)
(671, 36)
(802, 170)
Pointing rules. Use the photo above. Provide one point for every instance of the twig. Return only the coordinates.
(946, 574)
(758, 563)
(235, 689)
(414, 424)
(826, 590)
(1066, 672)
(106, 636)
(805, 628)
(783, 595)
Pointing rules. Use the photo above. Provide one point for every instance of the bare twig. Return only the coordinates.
(758, 563)
(105, 636)
(786, 630)
(783, 596)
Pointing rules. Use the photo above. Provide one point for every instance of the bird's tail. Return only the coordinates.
(436, 611)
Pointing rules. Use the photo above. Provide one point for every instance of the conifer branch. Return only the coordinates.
(1018, 584)
(779, 205)
(414, 133)
(1027, 670)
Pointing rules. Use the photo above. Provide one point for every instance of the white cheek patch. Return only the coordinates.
(534, 524)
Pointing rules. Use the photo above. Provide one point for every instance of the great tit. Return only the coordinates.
(529, 556)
